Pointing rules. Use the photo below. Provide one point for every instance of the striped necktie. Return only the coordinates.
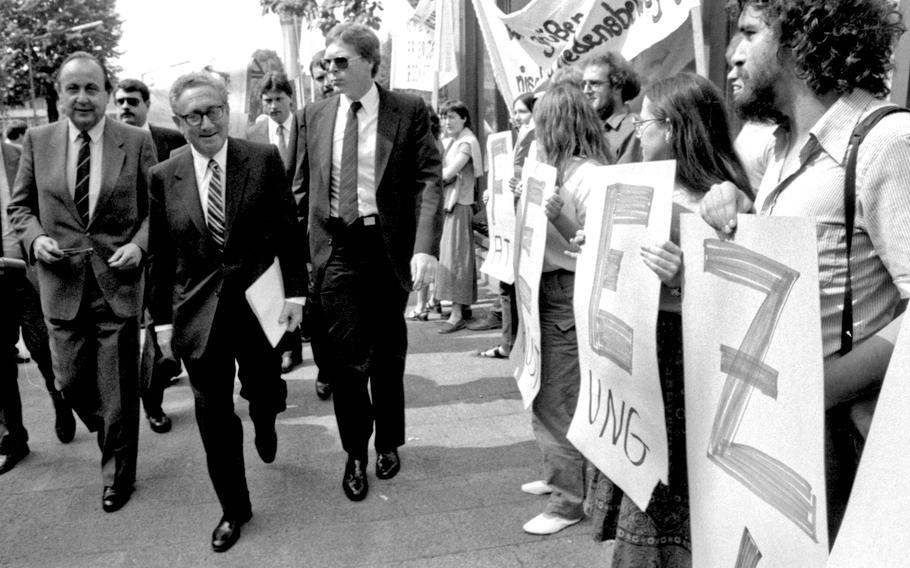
(215, 218)
(347, 186)
(83, 173)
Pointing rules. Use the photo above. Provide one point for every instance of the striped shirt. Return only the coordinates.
(880, 260)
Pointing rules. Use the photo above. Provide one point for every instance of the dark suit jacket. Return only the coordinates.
(408, 179)
(259, 132)
(10, 156)
(166, 140)
(188, 273)
(41, 204)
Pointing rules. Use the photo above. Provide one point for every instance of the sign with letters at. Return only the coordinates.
(754, 393)
(500, 262)
(876, 525)
(539, 182)
(619, 421)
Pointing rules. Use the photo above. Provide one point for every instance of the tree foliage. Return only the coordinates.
(40, 26)
(324, 16)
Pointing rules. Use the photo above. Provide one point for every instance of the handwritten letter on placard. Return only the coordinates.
(619, 422)
(754, 407)
(500, 262)
(531, 234)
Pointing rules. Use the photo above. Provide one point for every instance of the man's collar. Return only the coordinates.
(220, 156)
(834, 128)
(616, 119)
(369, 100)
(95, 132)
(287, 123)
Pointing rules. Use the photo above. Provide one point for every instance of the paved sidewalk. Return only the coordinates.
(455, 503)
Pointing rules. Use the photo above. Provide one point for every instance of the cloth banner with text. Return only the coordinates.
(876, 525)
(531, 235)
(754, 393)
(619, 421)
(499, 262)
(424, 46)
(527, 46)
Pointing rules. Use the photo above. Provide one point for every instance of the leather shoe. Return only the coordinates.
(323, 390)
(64, 423)
(266, 438)
(114, 499)
(9, 460)
(489, 322)
(227, 532)
(354, 482)
(388, 464)
(160, 423)
(290, 360)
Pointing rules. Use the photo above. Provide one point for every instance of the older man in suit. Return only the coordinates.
(132, 99)
(373, 171)
(80, 208)
(220, 215)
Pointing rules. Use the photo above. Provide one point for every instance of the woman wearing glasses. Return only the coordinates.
(462, 164)
(683, 118)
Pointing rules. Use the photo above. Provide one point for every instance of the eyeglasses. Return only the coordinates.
(595, 84)
(195, 118)
(341, 63)
(641, 124)
(131, 101)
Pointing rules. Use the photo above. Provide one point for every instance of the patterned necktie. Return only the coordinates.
(347, 187)
(283, 145)
(215, 219)
(83, 173)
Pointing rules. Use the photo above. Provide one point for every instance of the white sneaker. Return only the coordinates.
(538, 487)
(548, 524)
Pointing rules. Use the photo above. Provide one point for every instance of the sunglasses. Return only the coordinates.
(131, 101)
(341, 63)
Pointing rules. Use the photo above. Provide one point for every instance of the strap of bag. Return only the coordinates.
(859, 133)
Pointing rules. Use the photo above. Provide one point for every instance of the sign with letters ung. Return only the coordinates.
(754, 393)
(500, 262)
(531, 237)
(619, 421)
(875, 527)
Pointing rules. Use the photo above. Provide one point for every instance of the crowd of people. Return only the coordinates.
(112, 225)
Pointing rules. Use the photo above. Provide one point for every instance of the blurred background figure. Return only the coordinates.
(15, 132)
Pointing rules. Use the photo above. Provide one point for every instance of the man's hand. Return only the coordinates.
(127, 256)
(423, 269)
(163, 338)
(721, 204)
(291, 315)
(46, 250)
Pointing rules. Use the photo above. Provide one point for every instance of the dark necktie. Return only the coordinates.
(347, 187)
(283, 144)
(83, 173)
(215, 220)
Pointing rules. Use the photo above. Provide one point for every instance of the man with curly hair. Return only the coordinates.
(609, 82)
(817, 68)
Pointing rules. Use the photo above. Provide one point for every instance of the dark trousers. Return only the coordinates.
(12, 432)
(363, 304)
(155, 372)
(96, 362)
(509, 317)
(235, 336)
(320, 345)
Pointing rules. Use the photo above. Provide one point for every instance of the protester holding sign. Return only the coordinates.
(683, 118)
(571, 139)
(462, 164)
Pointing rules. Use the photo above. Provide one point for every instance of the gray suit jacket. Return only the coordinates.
(41, 204)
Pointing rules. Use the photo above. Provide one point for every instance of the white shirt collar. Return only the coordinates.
(370, 101)
(273, 126)
(201, 163)
(95, 132)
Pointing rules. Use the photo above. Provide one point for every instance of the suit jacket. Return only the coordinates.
(408, 180)
(41, 204)
(166, 140)
(259, 132)
(189, 275)
(10, 156)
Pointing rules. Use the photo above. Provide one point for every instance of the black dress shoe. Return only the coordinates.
(227, 532)
(64, 422)
(266, 438)
(159, 423)
(323, 390)
(114, 499)
(290, 360)
(9, 459)
(388, 464)
(354, 482)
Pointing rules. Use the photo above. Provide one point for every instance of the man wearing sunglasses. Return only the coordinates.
(373, 172)
(155, 372)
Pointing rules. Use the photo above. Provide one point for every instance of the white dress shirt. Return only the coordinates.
(367, 119)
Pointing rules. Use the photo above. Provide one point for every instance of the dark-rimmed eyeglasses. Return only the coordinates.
(131, 101)
(195, 118)
(641, 124)
(341, 63)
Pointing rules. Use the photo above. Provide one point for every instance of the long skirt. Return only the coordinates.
(456, 280)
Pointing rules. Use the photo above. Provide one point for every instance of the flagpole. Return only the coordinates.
(698, 41)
